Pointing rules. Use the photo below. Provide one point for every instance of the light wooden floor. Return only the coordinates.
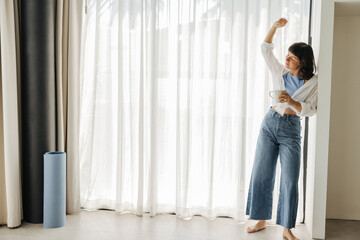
(109, 225)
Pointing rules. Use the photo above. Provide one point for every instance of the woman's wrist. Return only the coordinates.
(295, 104)
(292, 103)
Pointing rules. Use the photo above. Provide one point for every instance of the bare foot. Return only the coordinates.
(289, 235)
(261, 224)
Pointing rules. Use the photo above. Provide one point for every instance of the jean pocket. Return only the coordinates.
(294, 122)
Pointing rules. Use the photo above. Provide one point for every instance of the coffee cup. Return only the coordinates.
(274, 94)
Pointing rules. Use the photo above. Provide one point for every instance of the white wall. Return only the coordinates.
(317, 167)
(343, 196)
(309, 204)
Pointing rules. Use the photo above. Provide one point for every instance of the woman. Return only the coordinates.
(280, 134)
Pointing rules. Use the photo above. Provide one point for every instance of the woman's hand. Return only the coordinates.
(285, 98)
(280, 23)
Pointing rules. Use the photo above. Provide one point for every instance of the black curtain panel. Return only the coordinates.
(38, 122)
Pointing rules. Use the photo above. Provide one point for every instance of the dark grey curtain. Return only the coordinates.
(38, 119)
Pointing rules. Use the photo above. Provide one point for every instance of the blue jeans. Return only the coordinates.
(278, 136)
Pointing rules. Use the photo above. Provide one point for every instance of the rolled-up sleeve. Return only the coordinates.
(309, 107)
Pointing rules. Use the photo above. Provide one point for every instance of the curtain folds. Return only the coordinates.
(10, 179)
(67, 65)
(172, 97)
(68, 33)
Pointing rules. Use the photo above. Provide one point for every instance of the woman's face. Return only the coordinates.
(292, 62)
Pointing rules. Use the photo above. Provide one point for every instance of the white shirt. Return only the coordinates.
(305, 95)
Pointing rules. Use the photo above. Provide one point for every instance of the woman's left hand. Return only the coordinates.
(285, 98)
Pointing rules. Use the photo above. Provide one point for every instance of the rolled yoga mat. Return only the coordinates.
(54, 189)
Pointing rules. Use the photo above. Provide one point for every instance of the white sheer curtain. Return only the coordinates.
(172, 97)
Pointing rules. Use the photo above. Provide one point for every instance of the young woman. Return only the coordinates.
(280, 134)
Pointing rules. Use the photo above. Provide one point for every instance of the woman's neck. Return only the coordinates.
(294, 72)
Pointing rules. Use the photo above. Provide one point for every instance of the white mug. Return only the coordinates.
(277, 93)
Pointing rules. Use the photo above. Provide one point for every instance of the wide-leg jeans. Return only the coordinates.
(279, 135)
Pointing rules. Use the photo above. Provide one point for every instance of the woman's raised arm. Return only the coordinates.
(278, 24)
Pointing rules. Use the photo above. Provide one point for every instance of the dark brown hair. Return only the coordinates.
(305, 54)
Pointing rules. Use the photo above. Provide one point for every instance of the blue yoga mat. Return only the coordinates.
(54, 189)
